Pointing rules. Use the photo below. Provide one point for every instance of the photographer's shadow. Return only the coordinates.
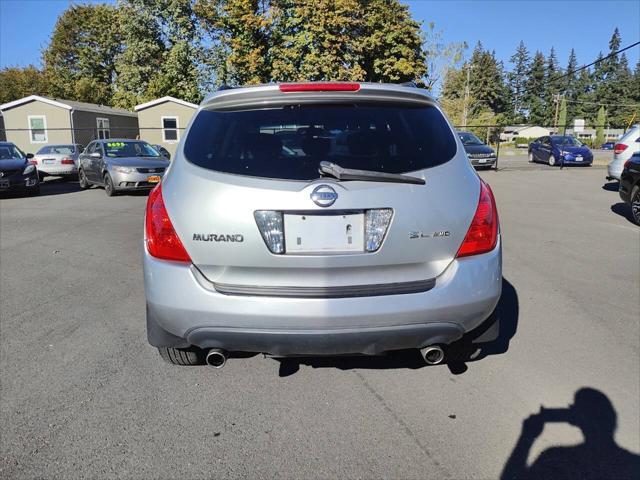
(598, 457)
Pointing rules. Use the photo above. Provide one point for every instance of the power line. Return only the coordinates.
(572, 72)
(605, 104)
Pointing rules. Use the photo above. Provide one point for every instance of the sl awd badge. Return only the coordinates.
(420, 234)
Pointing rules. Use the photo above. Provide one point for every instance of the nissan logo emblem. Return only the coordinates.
(324, 196)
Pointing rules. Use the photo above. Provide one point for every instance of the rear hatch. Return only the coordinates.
(255, 214)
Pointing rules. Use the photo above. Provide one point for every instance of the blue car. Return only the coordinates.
(560, 149)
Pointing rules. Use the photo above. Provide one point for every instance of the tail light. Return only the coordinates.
(161, 238)
(619, 148)
(482, 235)
(67, 161)
(320, 87)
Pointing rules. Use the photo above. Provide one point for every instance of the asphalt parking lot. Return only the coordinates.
(84, 395)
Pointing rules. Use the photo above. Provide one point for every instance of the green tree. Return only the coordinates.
(179, 74)
(142, 55)
(600, 122)
(238, 34)
(20, 82)
(391, 43)
(568, 83)
(316, 40)
(517, 79)
(79, 62)
(552, 88)
(486, 84)
(562, 116)
(535, 93)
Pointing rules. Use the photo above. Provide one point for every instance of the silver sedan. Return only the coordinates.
(120, 165)
(58, 160)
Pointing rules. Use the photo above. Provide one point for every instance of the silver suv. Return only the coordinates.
(319, 219)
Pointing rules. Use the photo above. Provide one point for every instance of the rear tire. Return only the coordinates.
(530, 157)
(182, 356)
(109, 189)
(552, 161)
(635, 204)
(82, 180)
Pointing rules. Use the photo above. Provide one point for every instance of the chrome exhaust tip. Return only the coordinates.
(433, 354)
(216, 358)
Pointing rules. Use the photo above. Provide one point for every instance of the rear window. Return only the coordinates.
(289, 142)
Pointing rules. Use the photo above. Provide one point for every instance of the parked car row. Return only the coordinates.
(115, 164)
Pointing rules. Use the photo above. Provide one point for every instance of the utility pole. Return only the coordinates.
(556, 98)
(466, 97)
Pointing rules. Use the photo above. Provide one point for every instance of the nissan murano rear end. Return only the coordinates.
(318, 219)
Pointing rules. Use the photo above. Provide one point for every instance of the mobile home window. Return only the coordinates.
(103, 128)
(38, 128)
(170, 129)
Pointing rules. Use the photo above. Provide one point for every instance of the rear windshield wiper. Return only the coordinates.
(336, 171)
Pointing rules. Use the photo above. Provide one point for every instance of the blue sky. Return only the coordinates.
(585, 25)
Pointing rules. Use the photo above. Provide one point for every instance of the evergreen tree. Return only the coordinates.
(486, 85)
(535, 94)
(552, 87)
(517, 79)
(568, 83)
(562, 116)
(585, 105)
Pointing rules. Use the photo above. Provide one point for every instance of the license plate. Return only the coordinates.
(482, 160)
(49, 161)
(324, 233)
(4, 183)
(579, 158)
(153, 179)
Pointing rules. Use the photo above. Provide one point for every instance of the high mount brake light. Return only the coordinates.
(482, 235)
(320, 87)
(161, 238)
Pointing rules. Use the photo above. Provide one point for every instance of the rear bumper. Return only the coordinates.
(183, 310)
(488, 162)
(133, 181)
(614, 169)
(55, 170)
